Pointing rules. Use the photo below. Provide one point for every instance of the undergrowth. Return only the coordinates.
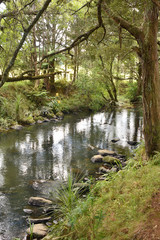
(23, 104)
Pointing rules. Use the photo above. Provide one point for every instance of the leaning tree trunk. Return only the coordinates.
(151, 84)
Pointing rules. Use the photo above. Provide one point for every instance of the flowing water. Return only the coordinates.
(50, 151)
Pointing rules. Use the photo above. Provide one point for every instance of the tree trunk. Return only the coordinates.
(147, 40)
(34, 56)
(113, 87)
(75, 64)
(151, 84)
(139, 81)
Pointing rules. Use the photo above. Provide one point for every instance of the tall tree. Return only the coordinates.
(146, 37)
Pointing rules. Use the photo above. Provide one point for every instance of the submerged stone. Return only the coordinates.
(17, 127)
(28, 211)
(115, 140)
(97, 159)
(106, 152)
(132, 143)
(38, 230)
(38, 201)
(39, 220)
(104, 170)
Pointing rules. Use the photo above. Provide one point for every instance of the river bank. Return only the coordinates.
(23, 105)
(125, 206)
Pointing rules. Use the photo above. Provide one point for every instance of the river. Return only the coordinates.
(50, 151)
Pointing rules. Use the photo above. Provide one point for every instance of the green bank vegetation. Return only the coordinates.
(21, 103)
(115, 208)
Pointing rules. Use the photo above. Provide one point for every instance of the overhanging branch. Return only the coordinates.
(25, 34)
(83, 37)
(133, 30)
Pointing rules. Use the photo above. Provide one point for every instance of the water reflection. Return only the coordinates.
(51, 151)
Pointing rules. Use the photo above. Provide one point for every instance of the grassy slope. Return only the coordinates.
(115, 208)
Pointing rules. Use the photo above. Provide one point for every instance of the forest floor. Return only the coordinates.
(150, 230)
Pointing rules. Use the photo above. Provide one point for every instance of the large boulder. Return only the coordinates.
(106, 152)
(97, 159)
(39, 202)
(38, 231)
(111, 160)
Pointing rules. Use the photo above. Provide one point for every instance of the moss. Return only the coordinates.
(111, 160)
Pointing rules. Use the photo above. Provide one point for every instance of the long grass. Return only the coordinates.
(114, 209)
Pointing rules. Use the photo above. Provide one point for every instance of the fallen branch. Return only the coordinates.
(30, 77)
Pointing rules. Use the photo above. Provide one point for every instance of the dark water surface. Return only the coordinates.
(51, 151)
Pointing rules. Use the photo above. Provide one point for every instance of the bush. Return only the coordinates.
(132, 92)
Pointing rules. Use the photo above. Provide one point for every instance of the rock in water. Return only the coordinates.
(28, 211)
(17, 127)
(104, 170)
(38, 231)
(39, 220)
(91, 147)
(106, 152)
(132, 143)
(38, 201)
(115, 140)
(96, 159)
(111, 160)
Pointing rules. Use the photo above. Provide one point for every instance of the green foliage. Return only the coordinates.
(17, 106)
(31, 230)
(87, 95)
(156, 159)
(132, 91)
(68, 197)
(37, 96)
(54, 104)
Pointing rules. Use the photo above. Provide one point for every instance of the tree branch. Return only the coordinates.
(82, 37)
(25, 34)
(85, 5)
(133, 30)
(28, 4)
(15, 13)
(157, 2)
(29, 77)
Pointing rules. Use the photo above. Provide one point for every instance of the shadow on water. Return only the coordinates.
(50, 151)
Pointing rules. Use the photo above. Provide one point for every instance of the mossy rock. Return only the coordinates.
(111, 160)
(106, 152)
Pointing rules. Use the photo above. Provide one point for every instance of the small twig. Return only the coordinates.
(85, 5)
(28, 4)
